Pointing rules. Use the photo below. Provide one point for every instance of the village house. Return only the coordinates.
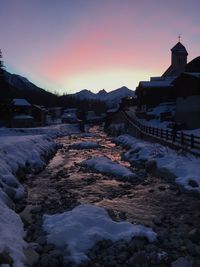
(23, 114)
(40, 115)
(21, 111)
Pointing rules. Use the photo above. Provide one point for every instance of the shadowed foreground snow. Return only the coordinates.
(183, 165)
(21, 149)
(78, 230)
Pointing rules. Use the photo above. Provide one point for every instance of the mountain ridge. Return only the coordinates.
(21, 87)
(111, 98)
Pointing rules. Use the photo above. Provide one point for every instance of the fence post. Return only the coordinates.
(182, 138)
(192, 141)
(173, 136)
(167, 134)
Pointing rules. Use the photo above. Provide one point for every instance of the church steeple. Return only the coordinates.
(178, 60)
(179, 57)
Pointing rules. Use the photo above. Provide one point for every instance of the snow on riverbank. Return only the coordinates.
(78, 230)
(52, 131)
(21, 149)
(184, 166)
(20, 152)
(11, 236)
(107, 166)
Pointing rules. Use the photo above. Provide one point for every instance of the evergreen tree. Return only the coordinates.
(5, 94)
(2, 78)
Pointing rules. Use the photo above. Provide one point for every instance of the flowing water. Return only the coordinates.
(148, 200)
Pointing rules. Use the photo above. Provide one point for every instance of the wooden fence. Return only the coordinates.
(185, 141)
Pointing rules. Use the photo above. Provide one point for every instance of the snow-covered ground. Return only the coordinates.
(78, 230)
(155, 123)
(195, 132)
(11, 235)
(51, 131)
(107, 166)
(21, 149)
(85, 145)
(184, 166)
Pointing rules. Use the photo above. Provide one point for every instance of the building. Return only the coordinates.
(40, 115)
(187, 87)
(178, 61)
(161, 89)
(152, 93)
(24, 114)
(21, 111)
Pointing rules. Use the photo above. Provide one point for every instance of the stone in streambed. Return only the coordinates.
(31, 255)
(5, 258)
(194, 235)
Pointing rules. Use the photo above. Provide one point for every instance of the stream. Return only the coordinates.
(151, 201)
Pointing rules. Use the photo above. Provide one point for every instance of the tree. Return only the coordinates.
(2, 77)
(5, 94)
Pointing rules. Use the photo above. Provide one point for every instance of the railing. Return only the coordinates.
(178, 138)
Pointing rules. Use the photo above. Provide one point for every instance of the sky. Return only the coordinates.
(69, 45)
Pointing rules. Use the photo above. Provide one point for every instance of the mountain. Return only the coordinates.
(20, 87)
(20, 82)
(110, 98)
(84, 94)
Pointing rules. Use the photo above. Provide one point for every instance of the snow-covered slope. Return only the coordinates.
(20, 82)
(111, 98)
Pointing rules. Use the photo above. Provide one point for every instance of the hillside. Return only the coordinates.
(20, 87)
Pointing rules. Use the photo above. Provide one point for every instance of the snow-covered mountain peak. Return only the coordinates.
(102, 92)
(112, 98)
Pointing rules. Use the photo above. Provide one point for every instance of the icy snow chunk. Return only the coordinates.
(12, 233)
(78, 230)
(85, 145)
(107, 166)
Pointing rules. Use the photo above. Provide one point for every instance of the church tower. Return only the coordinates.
(178, 60)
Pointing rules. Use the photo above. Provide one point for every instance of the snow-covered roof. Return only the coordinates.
(195, 74)
(156, 84)
(42, 108)
(70, 110)
(23, 117)
(20, 102)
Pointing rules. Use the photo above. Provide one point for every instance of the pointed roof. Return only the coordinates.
(194, 65)
(179, 48)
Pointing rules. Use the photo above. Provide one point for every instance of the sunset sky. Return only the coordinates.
(69, 45)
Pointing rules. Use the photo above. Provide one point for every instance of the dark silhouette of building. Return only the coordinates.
(178, 61)
(161, 89)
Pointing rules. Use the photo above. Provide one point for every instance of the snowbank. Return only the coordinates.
(11, 235)
(18, 152)
(78, 230)
(52, 131)
(107, 166)
(21, 149)
(184, 166)
(85, 145)
(195, 132)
